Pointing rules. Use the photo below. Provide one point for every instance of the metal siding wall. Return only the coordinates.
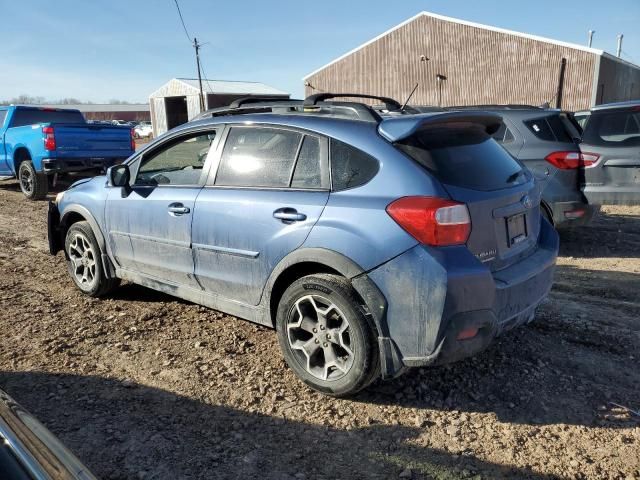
(482, 66)
(159, 116)
(617, 82)
(193, 106)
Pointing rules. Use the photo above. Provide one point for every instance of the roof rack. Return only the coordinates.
(511, 106)
(389, 103)
(314, 104)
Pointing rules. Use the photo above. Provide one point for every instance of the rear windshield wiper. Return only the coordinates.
(514, 176)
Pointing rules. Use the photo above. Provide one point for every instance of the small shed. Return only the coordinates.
(178, 100)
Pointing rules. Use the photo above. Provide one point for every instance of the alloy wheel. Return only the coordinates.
(320, 337)
(83, 261)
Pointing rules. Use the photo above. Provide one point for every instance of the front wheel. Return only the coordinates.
(84, 261)
(325, 337)
(34, 185)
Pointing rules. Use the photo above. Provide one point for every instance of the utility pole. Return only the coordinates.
(591, 32)
(619, 49)
(197, 46)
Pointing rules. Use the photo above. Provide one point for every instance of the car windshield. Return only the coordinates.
(617, 128)
(464, 156)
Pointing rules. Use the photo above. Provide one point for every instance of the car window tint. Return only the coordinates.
(22, 117)
(179, 164)
(620, 128)
(350, 167)
(465, 157)
(311, 170)
(258, 157)
(559, 129)
(541, 129)
(503, 134)
(3, 114)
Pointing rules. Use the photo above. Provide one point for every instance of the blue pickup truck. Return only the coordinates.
(38, 145)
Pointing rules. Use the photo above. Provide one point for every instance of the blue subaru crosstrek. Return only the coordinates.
(372, 240)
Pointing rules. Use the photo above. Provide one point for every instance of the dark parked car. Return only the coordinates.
(28, 451)
(611, 150)
(546, 142)
(371, 244)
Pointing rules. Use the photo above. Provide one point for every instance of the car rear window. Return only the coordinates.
(465, 157)
(550, 129)
(621, 128)
(22, 117)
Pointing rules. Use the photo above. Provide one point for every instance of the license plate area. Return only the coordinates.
(516, 229)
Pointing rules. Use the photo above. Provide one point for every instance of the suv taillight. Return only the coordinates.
(431, 220)
(133, 139)
(571, 160)
(49, 138)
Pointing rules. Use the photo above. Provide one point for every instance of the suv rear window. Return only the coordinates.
(621, 128)
(22, 117)
(550, 129)
(465, 157)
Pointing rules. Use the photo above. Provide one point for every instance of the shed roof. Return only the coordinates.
(575, 46)
(218, 87)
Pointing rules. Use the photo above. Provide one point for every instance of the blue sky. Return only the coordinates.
(125, 49)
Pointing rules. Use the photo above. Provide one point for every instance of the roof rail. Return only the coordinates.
(389, 103)
(257, 99)
(511, 106)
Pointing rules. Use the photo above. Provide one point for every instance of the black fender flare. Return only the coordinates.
(374, 301)
(107, 264)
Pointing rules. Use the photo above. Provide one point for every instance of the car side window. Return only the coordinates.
(311, 170)
(3, 115)
(258, 157)
(181, 163)
(503, 134)
(350, 167)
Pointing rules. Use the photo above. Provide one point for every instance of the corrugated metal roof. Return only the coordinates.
(100, 108)
(232, 87)
(476, 25)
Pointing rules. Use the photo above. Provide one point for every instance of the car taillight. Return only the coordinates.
(571, 160)
(49, 138)
(431, 220)
(133, 140)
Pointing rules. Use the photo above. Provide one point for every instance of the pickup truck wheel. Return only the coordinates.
(84, 261)
(325, 336)
(34, 185)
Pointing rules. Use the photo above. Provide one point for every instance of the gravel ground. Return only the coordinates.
(144, 386)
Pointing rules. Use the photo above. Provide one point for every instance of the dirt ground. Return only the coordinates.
(144, 386)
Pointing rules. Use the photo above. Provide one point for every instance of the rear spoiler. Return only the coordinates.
(395, 129)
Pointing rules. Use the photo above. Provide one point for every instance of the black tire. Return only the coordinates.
(360, 363)
(34, 185)
(90, 264)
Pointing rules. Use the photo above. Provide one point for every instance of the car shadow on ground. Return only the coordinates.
(124, 430)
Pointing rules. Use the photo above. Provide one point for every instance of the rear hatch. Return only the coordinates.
(501, 195)
(612, 140)
(92, 141)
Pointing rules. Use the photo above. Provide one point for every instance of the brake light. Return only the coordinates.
(431, 220)
(49, 138)
(571, 160)
(133, 140)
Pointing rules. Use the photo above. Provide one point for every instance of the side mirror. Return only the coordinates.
(119, 176)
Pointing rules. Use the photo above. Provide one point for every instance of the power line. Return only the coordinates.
(186, 32)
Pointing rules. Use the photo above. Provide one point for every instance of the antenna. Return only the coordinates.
(409, 97)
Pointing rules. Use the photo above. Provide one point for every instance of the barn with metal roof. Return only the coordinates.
(179, 100)
(456, 62)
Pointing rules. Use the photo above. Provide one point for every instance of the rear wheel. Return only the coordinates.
(325, 336)
(34, 185)
(84, 261)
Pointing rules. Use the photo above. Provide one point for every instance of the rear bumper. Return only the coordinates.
(613, 195)
(435, 294)
(573, 214)
(63, 165)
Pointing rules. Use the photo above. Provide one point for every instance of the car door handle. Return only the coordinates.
(289, 215)
(178, 209)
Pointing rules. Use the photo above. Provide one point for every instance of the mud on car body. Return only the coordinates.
(370, 243)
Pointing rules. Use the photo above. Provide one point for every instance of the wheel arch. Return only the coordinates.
(20, 154)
